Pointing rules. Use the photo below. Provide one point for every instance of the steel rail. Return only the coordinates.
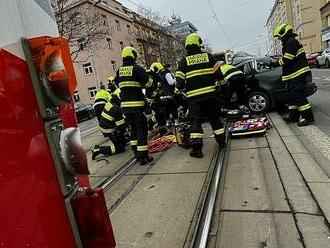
(204, 223)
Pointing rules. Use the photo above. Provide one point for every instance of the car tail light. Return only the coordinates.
(92, 218)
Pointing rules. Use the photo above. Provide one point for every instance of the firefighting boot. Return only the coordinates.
(95, 152)
(134, 149)
(196, 152)
(292, 117)
(221, 140)
(307, 118)
(144, 158)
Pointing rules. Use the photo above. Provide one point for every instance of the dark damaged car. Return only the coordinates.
(265, 87)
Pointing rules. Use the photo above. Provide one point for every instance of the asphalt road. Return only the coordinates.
(321, 99)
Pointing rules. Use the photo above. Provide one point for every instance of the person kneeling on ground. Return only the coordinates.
(112, 124)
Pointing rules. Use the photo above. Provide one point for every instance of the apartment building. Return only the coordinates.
(325, 22)
(304, 16)
(307, 23)
(280, 13)
(97, 31)
(94, 65)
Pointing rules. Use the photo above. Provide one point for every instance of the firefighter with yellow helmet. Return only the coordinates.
(197, 74)
(131, 79)
(296, 71)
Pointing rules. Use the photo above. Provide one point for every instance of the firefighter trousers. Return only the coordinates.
(117, 144)
(237, 84)
(298, 104)
(139, 133)
(205, 110)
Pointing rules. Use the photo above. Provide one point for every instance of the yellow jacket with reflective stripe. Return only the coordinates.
(102, 97)
(111, 119)
(229, 71)
(197, 74)
(294, 61)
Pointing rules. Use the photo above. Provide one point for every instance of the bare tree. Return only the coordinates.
(157, 41)
(81, 24)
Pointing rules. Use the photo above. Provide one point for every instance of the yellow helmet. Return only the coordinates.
(194, 39)
(111, 79)
(156, 67)
(282, 30)
(129, 52)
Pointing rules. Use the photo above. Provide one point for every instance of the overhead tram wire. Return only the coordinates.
(216, 18)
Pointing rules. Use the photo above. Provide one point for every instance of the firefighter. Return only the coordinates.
(111, 84)
(101, 98)
(131, 78)
(112, 125)
(295, 73)
(171, 104)
(197, 74)
(159, 91)
(234, 82)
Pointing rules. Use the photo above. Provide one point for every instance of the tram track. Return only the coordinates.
(200, 228)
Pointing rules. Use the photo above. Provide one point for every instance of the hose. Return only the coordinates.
(162, 143)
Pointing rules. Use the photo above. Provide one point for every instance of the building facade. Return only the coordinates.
(304, 16)
(118, 27)
(280, 13)
(183, 28)
(325, 22)
(94, 65)
(307, 24)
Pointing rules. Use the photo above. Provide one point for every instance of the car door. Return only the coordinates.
(270, 81)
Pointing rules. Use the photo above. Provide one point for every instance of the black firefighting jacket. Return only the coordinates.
(131, 79)
(294, 61)
(112, 119)
(197, 74)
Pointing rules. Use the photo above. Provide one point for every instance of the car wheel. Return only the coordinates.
(327, 64)
(258, 102)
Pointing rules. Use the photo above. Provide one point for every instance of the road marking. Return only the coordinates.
(318, 138)
(317, 78)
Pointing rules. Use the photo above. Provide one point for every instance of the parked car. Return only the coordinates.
(324, 59)
(84, 111)
(265, 87)
(312, 58)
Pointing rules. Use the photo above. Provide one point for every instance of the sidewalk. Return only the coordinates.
(275, 194)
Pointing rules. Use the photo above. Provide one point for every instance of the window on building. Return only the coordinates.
(82, 43)
(117, 25)
(76, 96)
(104, 2)
(104, 19)
(128, 29)
(88, 69)
(92, 92)
(77, 19)
(109, 41)
(121, 44)
(114, 65)
(132, 45)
